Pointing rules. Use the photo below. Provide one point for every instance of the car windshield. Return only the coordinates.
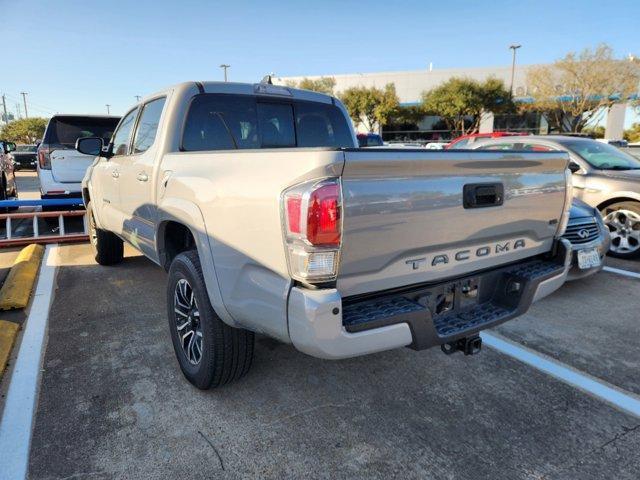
(26, 148)
(602, 156)
(66, 130)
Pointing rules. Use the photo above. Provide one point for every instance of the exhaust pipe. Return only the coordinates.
(467, 345)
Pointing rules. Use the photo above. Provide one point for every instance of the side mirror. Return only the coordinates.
(10, 147)
(574, 167)
(90, 146)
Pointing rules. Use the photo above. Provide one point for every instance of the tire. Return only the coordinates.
(623, 221)
(107, 247)
(225, 353)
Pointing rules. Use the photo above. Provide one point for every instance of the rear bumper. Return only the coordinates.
(50, 188)
(324, 325)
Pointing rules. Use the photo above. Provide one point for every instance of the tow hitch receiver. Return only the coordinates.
(468, 345)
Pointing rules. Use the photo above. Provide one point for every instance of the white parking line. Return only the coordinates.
(626, 273)
(619, 398)
(22, 397)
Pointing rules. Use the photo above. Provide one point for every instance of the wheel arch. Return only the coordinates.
(180, 222)
(623, 197)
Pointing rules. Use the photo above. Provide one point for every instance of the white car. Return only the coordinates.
(61, 167)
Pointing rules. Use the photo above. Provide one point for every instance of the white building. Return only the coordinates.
(411, 84)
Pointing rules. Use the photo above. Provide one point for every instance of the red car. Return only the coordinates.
(465, 141)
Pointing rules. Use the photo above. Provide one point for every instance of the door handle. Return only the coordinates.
(480, 195)
(142, 177)
(115, 174)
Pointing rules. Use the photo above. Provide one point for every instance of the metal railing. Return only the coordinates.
(57, 234)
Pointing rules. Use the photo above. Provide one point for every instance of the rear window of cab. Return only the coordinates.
(227, 122)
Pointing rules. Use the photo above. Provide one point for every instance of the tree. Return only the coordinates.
(370, 106)
(461, 102)
(596, 132)
(25, 130)
(322, 84)
(579, 88)
(633, 134)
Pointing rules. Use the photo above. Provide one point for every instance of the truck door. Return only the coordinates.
(137, 182)
(106, 176)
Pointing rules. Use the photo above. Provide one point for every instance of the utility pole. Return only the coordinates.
(4, 107)
(108, 111)
(18, 112)
(138, 97)
(513, 47)
(225, 67)
(24, 99)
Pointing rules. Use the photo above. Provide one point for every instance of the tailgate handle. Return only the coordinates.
(480, 195)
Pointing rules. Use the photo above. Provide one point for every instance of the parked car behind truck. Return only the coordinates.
(60, 166)
(24, 157)
(269, 219)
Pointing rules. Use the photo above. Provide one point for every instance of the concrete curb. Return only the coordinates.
(8, 334)
(16, 291)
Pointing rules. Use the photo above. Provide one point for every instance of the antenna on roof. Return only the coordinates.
(267, 79)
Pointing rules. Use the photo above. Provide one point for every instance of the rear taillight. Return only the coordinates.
(312, 214)
(44, 158)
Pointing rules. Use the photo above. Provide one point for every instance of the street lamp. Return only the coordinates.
(513, 47)
(224, 66)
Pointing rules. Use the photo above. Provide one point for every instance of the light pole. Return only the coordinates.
(224, 66)
(513, 47)
(24, 100)
(108, 111)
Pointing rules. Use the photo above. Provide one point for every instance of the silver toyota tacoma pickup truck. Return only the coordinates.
(269, 219)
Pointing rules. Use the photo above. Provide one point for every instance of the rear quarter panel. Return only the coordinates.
(238, 194)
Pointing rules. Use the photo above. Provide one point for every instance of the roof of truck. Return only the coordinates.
(245, 89)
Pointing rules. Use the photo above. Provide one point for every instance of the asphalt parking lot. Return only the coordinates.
(114, 404)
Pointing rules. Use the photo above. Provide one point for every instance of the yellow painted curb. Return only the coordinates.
(8, 333)
(17, 287)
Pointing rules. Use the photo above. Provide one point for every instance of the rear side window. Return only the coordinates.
(219, 122)
(122, 135)
(66, 130)
(148, 125)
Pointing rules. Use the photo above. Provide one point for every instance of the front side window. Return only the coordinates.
(219, 122)
(148, 125)
(123, 133)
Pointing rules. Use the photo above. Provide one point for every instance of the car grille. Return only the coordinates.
(582, 231)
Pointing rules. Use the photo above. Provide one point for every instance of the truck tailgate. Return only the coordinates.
(405, 221)
(69, 166)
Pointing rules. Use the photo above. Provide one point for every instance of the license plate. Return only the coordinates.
(588, 258)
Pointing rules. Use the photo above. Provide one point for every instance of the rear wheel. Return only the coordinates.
(210, 352)
(623, 221)
(107, 247)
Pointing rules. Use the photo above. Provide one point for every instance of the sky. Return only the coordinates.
(77, 56)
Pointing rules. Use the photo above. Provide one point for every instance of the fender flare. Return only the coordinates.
(189, 214)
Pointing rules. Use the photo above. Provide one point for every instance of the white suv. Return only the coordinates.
(60, 166)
